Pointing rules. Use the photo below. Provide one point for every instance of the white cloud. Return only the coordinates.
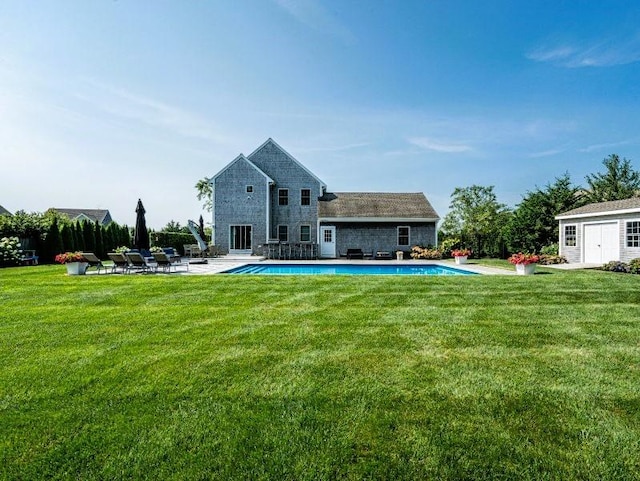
(610, 145)
(312, 14)
(437, 146)
(606, 53)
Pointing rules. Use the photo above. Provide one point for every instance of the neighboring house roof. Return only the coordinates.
(613, 207)
(375, 206)
(4, 211)
(241, 158)
(293, 159)
(100, 215)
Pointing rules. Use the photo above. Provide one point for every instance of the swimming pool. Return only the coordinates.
(349, 269)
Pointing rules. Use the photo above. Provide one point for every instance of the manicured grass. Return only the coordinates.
(248, 377)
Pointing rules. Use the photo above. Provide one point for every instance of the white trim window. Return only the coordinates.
(570, 235)
(305, 196)
(283, 196)
(283, 233)
(305, 233)
(404, 233)
(633, 233)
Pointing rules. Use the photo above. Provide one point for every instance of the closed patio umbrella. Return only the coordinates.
(141, 235)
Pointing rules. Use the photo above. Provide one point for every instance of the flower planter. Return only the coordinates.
(399, 255)
(76, 268)
(461, 259)
(525, 269)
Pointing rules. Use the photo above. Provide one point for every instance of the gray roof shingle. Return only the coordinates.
(94, 214)
(376, 205)
(4, 211)
(604, 207)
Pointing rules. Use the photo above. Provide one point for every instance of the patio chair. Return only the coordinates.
(166, 263)
(138, 262)
(355, 254)
(119, 261)
(94, 261)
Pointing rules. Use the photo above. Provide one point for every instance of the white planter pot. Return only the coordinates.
(525, 269)
(76, 268)
(461, 259)
(399, 255)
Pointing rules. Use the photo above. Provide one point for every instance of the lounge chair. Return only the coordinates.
(119, 261)
(386, 255)
(94, 261)
(355, 254)
(137, 262)
(166, 262)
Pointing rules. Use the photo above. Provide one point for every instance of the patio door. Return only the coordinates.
(328, 241)
(240, 239)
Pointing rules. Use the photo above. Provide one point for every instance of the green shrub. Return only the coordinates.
(550, 250)
(10, 251)
(634, 266)
(549, 259)
(615, 266)
(418, 252)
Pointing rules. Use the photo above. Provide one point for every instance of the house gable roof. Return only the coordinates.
(270, 141)
(241, 158)
(4, 211)
(100, 215)
(376, 206)
(625, 206)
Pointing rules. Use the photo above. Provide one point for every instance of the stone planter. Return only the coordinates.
(525, 269)
(399, 255)
(461, 259)
(76, 268)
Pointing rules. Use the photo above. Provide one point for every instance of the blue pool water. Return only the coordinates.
(349, 269)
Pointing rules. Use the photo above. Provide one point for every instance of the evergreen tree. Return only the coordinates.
(78, 237)
(619, 181)
(89, 236)
(68, 242)
(52, 244)
(99, 250)
(533, 224)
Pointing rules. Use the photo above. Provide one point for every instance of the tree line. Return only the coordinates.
(51, 233)
(477, 220)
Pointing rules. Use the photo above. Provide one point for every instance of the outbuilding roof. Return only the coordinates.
(101, 215)
(603, 208)
(376, 205)
(4, 211)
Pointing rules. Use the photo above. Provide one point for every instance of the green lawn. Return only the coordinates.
(238, 378)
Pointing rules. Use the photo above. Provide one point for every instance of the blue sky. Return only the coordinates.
(105, 102)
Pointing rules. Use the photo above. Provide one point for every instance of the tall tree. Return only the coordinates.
(533, 225)
(205, 192)
(99, 251)
(619, 181)
(477, 219)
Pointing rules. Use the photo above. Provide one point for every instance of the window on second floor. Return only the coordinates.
(403, 235)
(283, 196)
(633, 233)
(305, 197)
(570, 235)
(283, 233)
(249, 189)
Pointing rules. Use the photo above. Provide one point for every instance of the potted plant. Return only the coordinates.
(525, 263)
(75, 262)
(461, 255)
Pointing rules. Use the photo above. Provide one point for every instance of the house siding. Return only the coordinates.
(576, 254)
(288, 174)
(372, 237)
(234, 206)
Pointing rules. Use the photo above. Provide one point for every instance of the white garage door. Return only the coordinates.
(601, 243)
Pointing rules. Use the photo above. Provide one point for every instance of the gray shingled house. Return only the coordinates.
(101, 215)
(4, 211)
(601, 232)
(268, 197)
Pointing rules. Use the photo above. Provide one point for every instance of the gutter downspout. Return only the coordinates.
(213, 211)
